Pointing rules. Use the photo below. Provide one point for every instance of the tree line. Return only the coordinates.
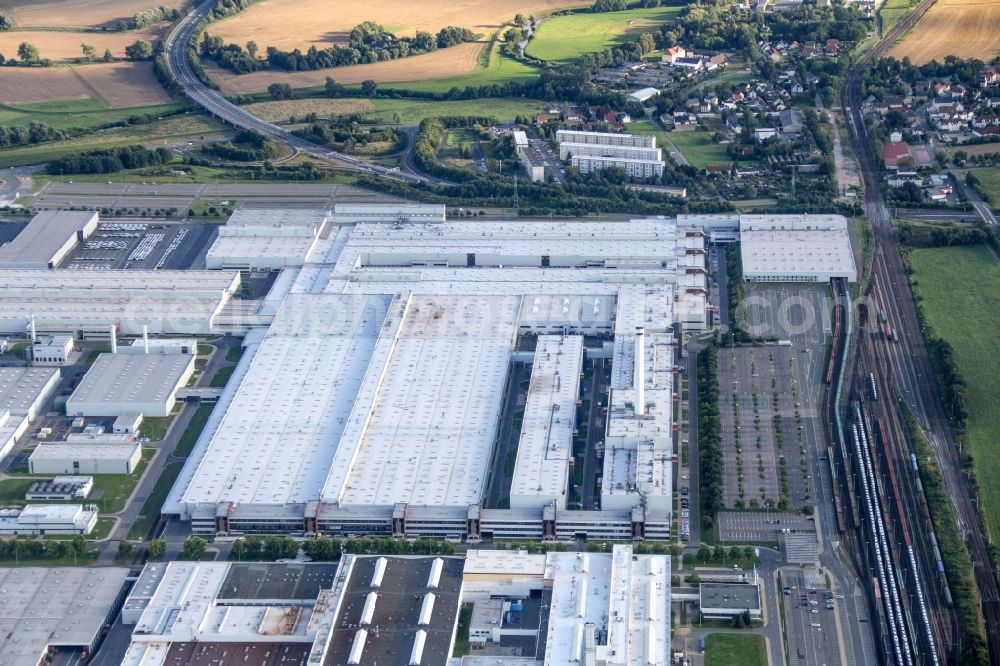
(329, 549)
(246, 146)
(709, 436)
(368, 42)
(108, 160)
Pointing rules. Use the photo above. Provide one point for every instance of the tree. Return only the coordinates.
(396, 119)
(108, 56)
(5, 23)
(27, 52)
(333, 89)
(193, 548)
(252, 48)
(89, 52)
(368, 87)
(140, 49)
(125, 549)
(156, 549)
(279, 91)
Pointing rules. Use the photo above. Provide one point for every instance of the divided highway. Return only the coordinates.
(176, 50)
(907, 361)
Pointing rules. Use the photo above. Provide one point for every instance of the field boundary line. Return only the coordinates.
(89, 87)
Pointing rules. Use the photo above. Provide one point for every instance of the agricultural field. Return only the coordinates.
(22, 85)
(77, 13)
(169, 131)
(959, 288)
(124, 84)
(442, 63)
(62, 46)
(561, 39)
(965, 28)
(411, 111)
(699, 148)
(320, 22)
(730, 649)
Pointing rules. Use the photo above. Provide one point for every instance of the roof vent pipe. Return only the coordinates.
(639, 375)
(145, 339)
(114, 340)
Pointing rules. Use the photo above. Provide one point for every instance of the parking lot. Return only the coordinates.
(764, 447)
(811, 616)
(760, 526)
(142, 245)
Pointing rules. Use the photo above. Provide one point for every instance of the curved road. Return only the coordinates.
(909, 359)
(176, 47)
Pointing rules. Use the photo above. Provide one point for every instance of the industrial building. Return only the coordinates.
(723, 600)
(796, 248)
(388, 212)
(61, 488)
(643, 95)
(84, 458)
(48, 519)
(418, 324)
(23, 394)
(47, 239)
(51, 349)
(604, 608)
(62, 609)
(87, 303)
(119, 384)
(266, 239)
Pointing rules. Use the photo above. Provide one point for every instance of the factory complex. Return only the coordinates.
(528, 610)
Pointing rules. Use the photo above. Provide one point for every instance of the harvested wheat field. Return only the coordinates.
(304, 23)
(965, 28)
(435, 65)
(21, 85)
(63, 46)
(124, 84)
(324, 108)
(77, 13)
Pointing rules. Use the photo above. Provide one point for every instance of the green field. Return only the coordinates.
(699, 148)
(561, 39)
(499, 69)
(960, 292)
(75, 113)
(990, 179)
(412, 111)
(647, 127)
(894, 11)
(164, 132)
(735, 650)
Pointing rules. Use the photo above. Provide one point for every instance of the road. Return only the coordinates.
(176, 48)
(908, 360)
(982, 208)
(15, 182)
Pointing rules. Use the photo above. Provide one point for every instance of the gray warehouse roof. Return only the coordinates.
(20, 387)
(733, 596)
(56, 607)
(45, 236)
(131, 378)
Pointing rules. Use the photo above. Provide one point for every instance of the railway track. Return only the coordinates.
(905, 363)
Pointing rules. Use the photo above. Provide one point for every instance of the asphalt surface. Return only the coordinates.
(176, 47)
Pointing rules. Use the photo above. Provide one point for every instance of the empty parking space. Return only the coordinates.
(760, 526)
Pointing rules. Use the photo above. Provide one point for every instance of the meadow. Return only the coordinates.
(699, 148)
(729, 649)
(990, 181)
(959, 289)
(411, 111)
(561, 39)
(76, 113)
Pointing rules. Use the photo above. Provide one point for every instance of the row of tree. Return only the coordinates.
(108, 160)
(709, 436)
(28, 54)
(39, 549)
(369, 42)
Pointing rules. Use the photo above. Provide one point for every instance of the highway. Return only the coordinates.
(906, 361)
(176, 49)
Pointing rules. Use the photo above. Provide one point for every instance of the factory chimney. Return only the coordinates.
(32, 328)
(114, 339)
(639, 375)
(145, 339)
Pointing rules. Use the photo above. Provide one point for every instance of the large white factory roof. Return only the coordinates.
(433, 423)
(277, 438)
(278, 218)
(122, 379)
(266, 238)
(546, 443)
(796, 247)
(20, 388)
(67, 301)
(85, 451)
(44, 606)
(46, 238)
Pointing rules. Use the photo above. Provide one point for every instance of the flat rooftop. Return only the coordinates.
(545, 447)
(794, 245)
(130, 378)
(42, 606)
(45, 236)
(68, 300)
(732, 596)
(20, 387)
(398, 606)
(277, 581)
(278, 218)
(83, 450)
